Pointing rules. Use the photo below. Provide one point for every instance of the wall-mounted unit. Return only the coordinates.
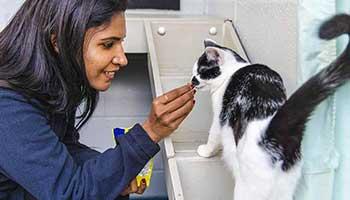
(174, 44)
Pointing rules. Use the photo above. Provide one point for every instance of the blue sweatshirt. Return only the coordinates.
(41, 158)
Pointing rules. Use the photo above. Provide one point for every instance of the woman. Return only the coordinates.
(54, 56)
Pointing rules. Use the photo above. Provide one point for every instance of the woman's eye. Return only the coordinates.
(108, 45)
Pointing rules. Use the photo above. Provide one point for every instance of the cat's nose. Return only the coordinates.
(195, 81)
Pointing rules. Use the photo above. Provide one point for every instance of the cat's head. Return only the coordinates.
(215, 65)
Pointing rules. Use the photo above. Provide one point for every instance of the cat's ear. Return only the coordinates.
(215, 54)
(210, 43)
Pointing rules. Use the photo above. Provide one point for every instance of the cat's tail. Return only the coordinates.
(287, 126)
(335, 27)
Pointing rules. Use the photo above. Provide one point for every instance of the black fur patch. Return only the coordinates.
(208, 69)
(254, 92)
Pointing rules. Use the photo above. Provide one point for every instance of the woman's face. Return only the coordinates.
(103, 52)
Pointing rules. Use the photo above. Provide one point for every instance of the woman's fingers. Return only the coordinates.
(166, 109)
(176, 109)
(173, 94)
(142, 187)
(177, 122)
(180, 113)
(180, 101)
(133, 186)
(175, 102)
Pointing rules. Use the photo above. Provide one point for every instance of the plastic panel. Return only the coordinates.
(172, 55)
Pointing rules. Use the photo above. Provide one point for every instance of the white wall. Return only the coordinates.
(268, 30)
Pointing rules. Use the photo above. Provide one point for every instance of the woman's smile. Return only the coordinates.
(111, 74)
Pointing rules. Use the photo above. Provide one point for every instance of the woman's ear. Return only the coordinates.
(54, 42)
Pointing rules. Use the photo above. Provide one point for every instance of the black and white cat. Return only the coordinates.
(258, 129)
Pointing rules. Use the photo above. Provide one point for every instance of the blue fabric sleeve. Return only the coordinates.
(81, 153)
(32, 156)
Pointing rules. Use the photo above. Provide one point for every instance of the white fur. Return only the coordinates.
(255, 176)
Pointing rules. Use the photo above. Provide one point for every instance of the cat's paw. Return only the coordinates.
(207, 151)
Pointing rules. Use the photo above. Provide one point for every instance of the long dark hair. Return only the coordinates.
(30, 64)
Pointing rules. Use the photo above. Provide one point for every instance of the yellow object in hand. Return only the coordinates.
(146, 172)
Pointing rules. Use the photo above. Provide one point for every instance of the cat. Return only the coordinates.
(257, 128)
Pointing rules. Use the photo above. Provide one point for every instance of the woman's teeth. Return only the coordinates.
(110, 74)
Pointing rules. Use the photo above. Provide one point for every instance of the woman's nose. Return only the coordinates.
(120, 58)
(123, 60)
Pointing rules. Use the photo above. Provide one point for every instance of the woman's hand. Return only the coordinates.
(168, 111)
(132, 188)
